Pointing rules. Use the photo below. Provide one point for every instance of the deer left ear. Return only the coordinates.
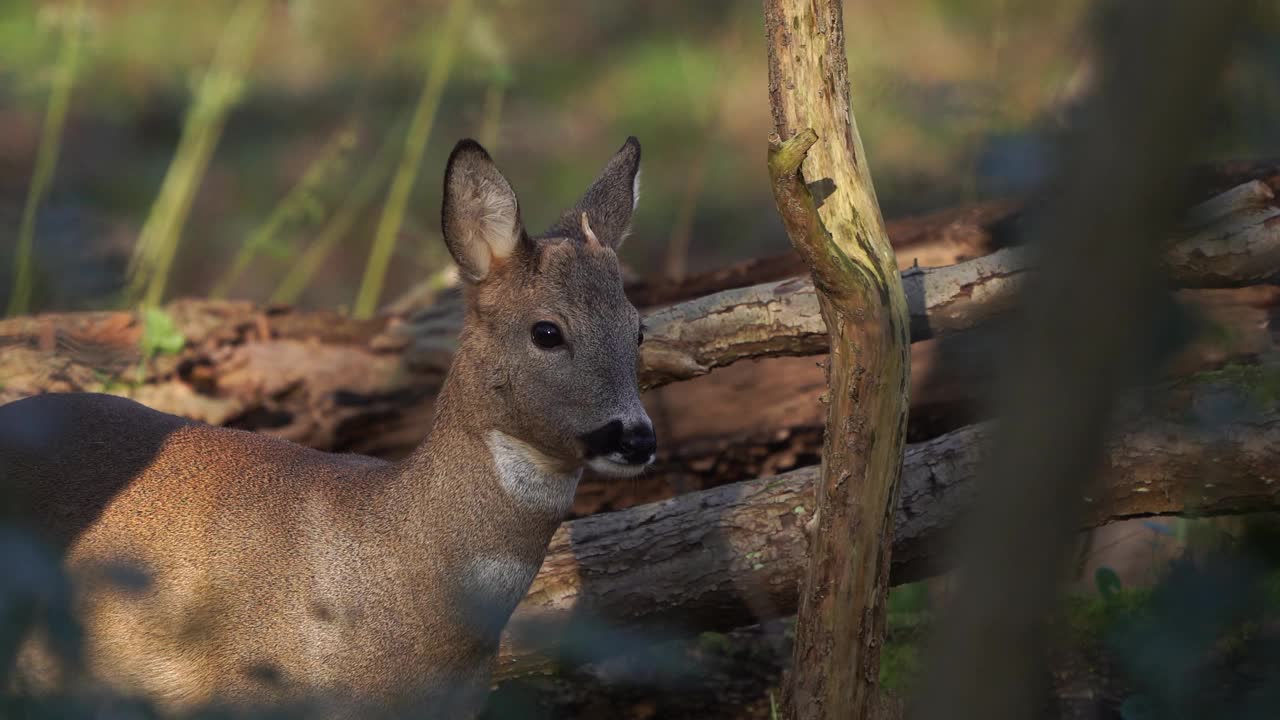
(480, 214)
(610, 201)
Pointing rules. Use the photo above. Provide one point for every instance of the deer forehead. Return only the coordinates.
(587, 276)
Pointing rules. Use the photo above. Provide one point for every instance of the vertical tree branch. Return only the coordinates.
(824, 194)
(1089, 328)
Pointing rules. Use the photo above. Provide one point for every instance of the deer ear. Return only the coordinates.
(480, 217)
(610, 201)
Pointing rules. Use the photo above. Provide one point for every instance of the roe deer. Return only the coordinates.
(272, 574)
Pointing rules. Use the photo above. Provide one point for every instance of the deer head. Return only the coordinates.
(548, 328)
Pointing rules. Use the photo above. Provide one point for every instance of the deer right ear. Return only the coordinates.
(480, 216)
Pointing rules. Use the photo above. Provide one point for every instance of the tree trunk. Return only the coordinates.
(735, 555)
(842, 239)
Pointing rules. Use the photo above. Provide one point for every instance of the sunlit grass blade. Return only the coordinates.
(302, 272)
(294, 206)
(491, 114)
(46, 159)
(384, 239)
(220, 89)
(488, 41)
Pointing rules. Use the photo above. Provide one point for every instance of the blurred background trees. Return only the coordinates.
(954, 100)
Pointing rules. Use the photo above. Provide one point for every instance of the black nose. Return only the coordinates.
(638, 443)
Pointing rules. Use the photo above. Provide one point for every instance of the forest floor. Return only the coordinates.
(739, 676)
(1203, 642)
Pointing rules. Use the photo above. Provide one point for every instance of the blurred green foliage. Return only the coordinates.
(950, 97)
(909, 614)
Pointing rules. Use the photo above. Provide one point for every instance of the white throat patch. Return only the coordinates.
(529, 478)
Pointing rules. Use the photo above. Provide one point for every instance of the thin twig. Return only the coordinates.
(295, 204)
(219, 91)
(353, 206)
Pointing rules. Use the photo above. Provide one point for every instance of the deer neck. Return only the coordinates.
(479, 495)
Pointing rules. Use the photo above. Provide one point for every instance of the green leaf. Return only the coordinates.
(160, 335)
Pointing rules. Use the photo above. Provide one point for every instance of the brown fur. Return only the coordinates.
(270, 573)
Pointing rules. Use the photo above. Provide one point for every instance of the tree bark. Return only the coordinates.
(822, 187)
(735, 555)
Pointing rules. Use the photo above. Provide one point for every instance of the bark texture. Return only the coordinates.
(735, 555)
(940, 238)
(822, 187)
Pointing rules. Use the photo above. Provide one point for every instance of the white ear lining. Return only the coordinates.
(494, 229)
(635, 191)
(499, 220)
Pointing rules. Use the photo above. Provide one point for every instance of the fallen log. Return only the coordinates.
(330, 382)
(734, 555)
(1233, 241)
(706, 439)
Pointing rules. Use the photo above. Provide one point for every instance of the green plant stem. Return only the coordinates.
(353, 206)
(491, 114)
(415, 142)
(290, 207)
(221, 88)
(46, 160)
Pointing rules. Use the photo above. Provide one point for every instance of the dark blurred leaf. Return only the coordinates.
(1107, 582)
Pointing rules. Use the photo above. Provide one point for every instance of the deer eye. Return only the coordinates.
(546, 335)
(640, 338)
